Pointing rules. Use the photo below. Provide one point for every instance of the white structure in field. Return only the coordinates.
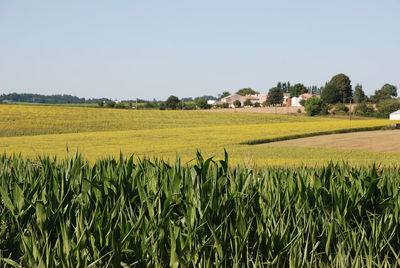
(395, 115)
(296, 100)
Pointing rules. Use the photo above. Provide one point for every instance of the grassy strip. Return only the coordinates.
(305, 135)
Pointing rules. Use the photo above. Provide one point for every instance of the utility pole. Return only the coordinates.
(350, 110)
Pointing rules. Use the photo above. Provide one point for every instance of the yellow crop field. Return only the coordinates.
(97, 133)
(22, 120)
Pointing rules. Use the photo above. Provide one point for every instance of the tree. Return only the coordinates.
(388, 106)
(237, 103)
(225, 94)
(392, 90)
(247, 102)
(275, 96)
(172, 102)
(202, 103)
(313, 106)
(283, 86)
(359, 95)
(297, 90)
(330, 94)
(342, 84)
(380, 95)
(246, 91)
(364, 110)
(110, 104)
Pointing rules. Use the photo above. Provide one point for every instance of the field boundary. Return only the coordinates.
(305, 135)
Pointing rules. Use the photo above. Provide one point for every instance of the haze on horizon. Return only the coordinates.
(153, 49)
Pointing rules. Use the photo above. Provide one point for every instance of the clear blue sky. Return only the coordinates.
(146, 49)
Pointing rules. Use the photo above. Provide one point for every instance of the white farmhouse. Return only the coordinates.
(296, 100)
(395, 115)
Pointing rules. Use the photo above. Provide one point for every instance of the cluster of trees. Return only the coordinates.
(38, 98)
(339, 91)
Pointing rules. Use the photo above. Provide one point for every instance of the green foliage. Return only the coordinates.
(359, 95)
(297, 90)
(275, 96)
(110, 104)
(341, 108)
(342, 85)
(313, 106)
(257, 104)
(363, 109)
(225, 105)
(172, 102)
(247, 102)
(391, 89)
(247, 91)
(38, 98)
(237, 103)
(284, 86)
(121, 212)
(387, 107)
(380, 95)
(302, 102)
(225, 94)
(120, 105)
(202, 103)
(330, 94)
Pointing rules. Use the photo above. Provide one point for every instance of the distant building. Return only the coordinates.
(211, 102)
(395, 115)
(7, 101)
(256, 98)
(286, 97)
(295, 101)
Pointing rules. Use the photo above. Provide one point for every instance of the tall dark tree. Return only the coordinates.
(331, 95)
(283, 86)
(275, 96)
(246, 91)
(297, 90)
(391, 89)
(359, 95)
(172, 102)
(342, 84)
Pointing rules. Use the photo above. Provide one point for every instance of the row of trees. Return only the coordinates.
(38, 98)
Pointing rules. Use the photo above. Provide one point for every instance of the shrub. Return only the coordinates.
(302, 102)
(387, 107)
(313, 106)
(225, 105)
(237, 103)
(257, 104)
(202, 103)
(364, 110)
(110, 104)
(120, 105)
(247, 102)
(341, 108)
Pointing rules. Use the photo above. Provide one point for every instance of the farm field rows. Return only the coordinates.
(98, 133)
(141, 213)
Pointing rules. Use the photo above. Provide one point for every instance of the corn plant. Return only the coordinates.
(150, 213)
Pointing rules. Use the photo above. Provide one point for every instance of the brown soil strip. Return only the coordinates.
(378, 141)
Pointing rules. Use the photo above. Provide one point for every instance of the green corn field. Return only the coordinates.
(149, 213)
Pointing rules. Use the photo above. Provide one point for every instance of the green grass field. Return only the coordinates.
(96, 133)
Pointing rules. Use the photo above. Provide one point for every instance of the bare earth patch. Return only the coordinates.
(378, 141)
